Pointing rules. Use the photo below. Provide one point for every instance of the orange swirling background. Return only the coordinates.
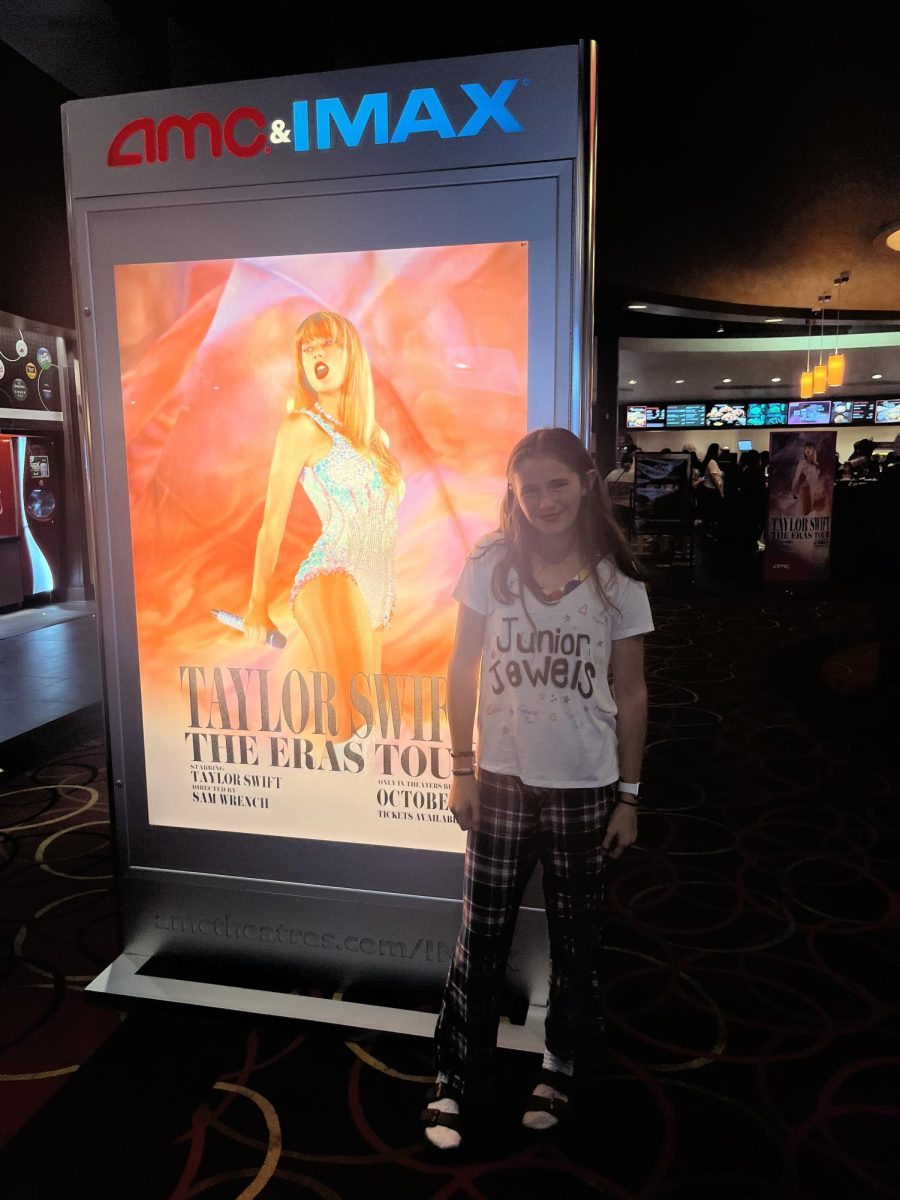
(206, 353)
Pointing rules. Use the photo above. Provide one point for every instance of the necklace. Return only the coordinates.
(324, 413)
(557, 593)
(556, 578)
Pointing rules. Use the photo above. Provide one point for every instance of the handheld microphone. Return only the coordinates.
(274, 639)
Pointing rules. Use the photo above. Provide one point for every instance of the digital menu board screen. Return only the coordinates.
(887, 412)
(655, 417)
(766, 414)
(686, 416)
(776, 414)
(809, 412)
(852, 412)
(636, 417)
(863, 412)
(726, 416)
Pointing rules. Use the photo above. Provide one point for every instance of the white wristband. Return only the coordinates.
(630, 789)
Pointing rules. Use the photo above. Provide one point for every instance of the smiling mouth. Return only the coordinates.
(321, 370)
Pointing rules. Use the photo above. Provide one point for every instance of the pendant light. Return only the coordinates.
(820, 371)
(806, 377)
(837, 362)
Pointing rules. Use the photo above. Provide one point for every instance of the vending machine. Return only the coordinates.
(38, 472)
(11, 593)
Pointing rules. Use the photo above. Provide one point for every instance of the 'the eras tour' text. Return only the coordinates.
(249, 717)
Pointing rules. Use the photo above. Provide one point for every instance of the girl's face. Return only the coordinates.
(809, 453)
(549, 494)
(324, 364)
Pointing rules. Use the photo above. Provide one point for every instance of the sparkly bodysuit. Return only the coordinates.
(359, 523)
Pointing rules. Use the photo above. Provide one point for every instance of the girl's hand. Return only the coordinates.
(621, 832)
(257, 624)
(463, 802)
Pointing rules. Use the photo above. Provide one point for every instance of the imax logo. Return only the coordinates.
(422, 112)
(318, 124)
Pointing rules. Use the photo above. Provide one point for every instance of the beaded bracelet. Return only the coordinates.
(462, 753)
(463, 771)
(630, 803)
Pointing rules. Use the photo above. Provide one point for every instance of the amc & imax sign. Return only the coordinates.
(320, 124)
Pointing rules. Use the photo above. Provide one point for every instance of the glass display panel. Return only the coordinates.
(887, 412)
(655, 417)
(809, 412)
(342, 382)
(726, 416)
(686, 416)
(852, 412)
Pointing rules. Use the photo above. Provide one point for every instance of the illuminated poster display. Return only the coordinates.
(801, 490)
(315, 314)
(334, 729)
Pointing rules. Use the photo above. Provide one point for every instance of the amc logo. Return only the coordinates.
(155, 138)
(315, 125)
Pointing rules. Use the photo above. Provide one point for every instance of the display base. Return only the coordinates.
(124, 977)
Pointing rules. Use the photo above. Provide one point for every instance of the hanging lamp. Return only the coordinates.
(806, 377)
(837, 362)
(820, 370)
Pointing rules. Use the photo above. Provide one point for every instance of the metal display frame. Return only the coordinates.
(165, 895)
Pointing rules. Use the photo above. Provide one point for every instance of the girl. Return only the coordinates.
(547, 605)
(343, 592)
(712, 489)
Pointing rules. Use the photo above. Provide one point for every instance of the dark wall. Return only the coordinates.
(746, 165)
(35, 279)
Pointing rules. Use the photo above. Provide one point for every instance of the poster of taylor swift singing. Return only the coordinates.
(313, 444)
(801, 490)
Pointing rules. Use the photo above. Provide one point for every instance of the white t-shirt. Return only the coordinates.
(545, 711)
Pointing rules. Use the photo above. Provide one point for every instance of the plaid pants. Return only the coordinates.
(564, 828)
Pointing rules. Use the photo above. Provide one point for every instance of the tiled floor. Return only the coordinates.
(26, 620)
(47, 673)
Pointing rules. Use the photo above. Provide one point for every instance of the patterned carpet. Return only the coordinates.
(752, 963)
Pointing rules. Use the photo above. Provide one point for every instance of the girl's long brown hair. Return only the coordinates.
(598, 533)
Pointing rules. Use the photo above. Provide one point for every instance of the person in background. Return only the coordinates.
(749, 518)
(860, 462)
(620, 486)
(712, 490)
(696, 464)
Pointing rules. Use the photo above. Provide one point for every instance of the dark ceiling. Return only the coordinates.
(743, 161)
